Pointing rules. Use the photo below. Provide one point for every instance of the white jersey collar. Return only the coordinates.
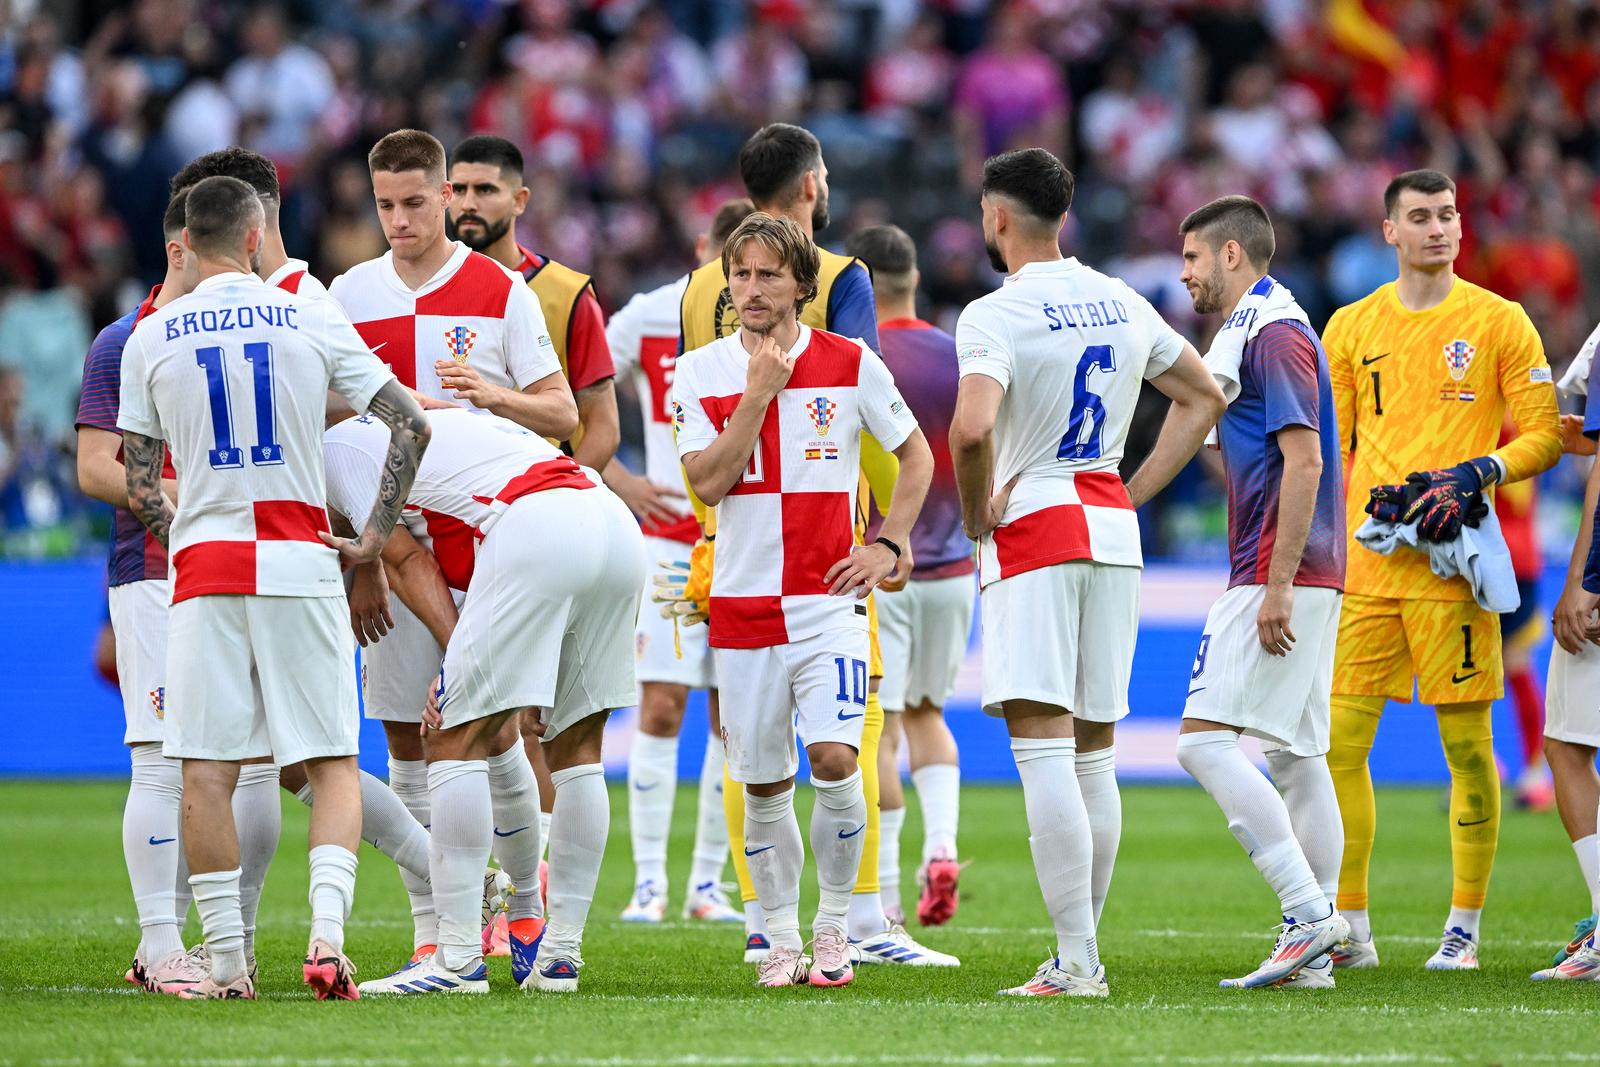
(440, 277)
(1044, 268)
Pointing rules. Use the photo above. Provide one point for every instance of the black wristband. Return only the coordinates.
(890, 545)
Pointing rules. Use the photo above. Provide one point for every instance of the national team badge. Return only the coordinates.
(821, 410)
(158, 701)
(458, 339)
(1458, 357)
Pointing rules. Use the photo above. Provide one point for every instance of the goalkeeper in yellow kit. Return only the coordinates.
(1424, 371)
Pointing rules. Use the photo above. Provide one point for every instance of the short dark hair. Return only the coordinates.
(405, 150)
(773, 160)
(889, 254)
(1234, 218)
(727, 219)
(253, 168)
(172, 220)
(217, 212)
(1032, 177)
(1421, 181)
(491, 150)
(783, 238)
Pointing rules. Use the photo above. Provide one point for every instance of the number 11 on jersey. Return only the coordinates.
(226, 454)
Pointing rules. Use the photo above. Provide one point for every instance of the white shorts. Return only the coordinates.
(397, 672)
(549, 617)
(922, 630)
(1062, 635)
(139, 622)
(252, 676)
(1281, 699)
(655, 653)
(817, 685)
(1572, 696)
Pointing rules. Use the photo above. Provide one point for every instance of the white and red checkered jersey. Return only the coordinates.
(476, 465)
(295, 277)
(792, 515)
(473, 311)
(234, 377)
(643, 337)
(1070, 346)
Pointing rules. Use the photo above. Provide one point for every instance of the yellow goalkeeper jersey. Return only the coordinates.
(1417, 390)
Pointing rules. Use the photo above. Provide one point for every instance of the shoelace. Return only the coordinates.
(1451, 947)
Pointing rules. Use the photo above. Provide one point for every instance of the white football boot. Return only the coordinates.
(895, 945)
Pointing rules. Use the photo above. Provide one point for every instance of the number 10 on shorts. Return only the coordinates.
(852, 680)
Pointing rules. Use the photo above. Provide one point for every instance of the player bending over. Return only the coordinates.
(1265, 662)
(547, 623)
(1424, 371)
(769, 421)
(1051, 366)
(259, 655)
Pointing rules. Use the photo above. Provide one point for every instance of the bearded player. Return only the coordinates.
(1424, 372)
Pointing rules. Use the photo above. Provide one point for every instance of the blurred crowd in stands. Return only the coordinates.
(631, 112)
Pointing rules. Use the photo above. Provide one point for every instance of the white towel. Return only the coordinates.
(1480, 554)
(1576, 381)
(1265, 301)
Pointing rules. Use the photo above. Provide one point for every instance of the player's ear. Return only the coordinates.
(519, 200)
(1390, 232)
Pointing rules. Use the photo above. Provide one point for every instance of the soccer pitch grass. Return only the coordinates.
(1185, 910)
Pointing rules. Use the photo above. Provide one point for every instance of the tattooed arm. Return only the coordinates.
(143, 458)
(408, 438)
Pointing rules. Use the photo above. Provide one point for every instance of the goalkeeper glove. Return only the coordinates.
(1450, 497)
(684, 590)
(1389, 502)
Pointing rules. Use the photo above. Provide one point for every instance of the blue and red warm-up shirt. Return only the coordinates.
(1284, 383)
(135, 555)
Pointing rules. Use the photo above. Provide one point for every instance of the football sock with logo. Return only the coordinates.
(1257, 818)
(652, 786)
(733, 812)
(216, 898)
(1355, 724)
(890, 823)
(408, 780)
(711, 825)
(258, 818)
(152, 851)
(1063, 857)
(1465, 920)
(838, 827)
(514, 800)
(939, 796)
(333, 886)
(1102, 800)
(866, 880)
(1474, 800)
(458, 851)
(577, 844)
(1307, 790)
(775, 856)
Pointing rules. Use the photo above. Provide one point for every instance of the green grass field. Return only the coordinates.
(1186, 909)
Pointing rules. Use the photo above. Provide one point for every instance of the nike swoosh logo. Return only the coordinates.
(1197, 689)
(846, 718)
(1459, 678)
(377, 346)
(847, 836)
(1477, 822)
(509, 833)
(645, 787)
(1367, 361)
(162, 840)
(748, 851)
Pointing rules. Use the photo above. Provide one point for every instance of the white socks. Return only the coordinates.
(1257, 817)
(153, 851)
(939, 792)
(258, 818)
(1307, 789)
(1464, 919)
(544, 829)
(333, 887)
(775, 853)
(838, 831)
(387, 825)
(1360, 924)
(463, 829)
(1097, 781)
(514, 801)
(408, 780)
(1588, 853)
(865, 917)
(1063, 856)
(652, 786)
(711, 825)
(890, 822)
(582, 819)
(216, 897)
